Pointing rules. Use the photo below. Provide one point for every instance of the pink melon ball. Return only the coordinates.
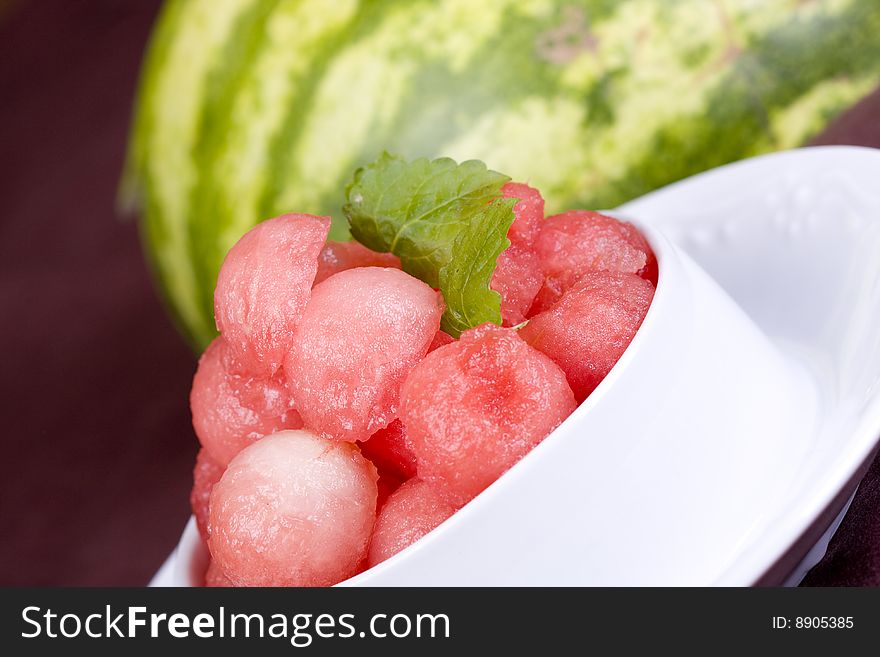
(264, 285)
(230, 411)
(590, 327)
(339, 256)
(214, 577)
(388, 450)
(518, 275)
(518, 278)
(475, 407)
(360, 335)
(529, 213)
(206, 473)
(579, 241)
(411, 511)
(293, 510)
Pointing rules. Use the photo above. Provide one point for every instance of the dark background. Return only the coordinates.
(97, 447)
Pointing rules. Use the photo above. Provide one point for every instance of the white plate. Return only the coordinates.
(794, 238)
(735, 428)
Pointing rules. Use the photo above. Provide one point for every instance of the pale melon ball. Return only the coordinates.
(293, 509)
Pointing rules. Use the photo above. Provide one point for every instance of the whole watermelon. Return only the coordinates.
(251, 108)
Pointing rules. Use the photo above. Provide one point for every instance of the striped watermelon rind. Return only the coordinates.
(251, 108)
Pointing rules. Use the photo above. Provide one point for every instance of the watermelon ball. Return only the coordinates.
(529, 212)
(264, 285)
(339, 256)
(590, 327)
(230, 411)
(518, 278)
(388, 450)
(362, 332)
(475, 407)
(206, 473)
(214, 577)
(293, 509)
(518, 274)
(579, 241)
(411, 511)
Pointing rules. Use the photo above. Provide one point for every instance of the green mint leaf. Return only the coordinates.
(465, 280)
(417, 209)
(446, 223)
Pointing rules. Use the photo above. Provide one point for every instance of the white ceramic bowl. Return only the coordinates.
(734, 428)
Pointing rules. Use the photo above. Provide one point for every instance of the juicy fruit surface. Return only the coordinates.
(214, 577)
(293, 510)
(387, 484)
(389, 450)
(439, 340)
(249, 103)
(264, 285)
(339, 256)
(411, 511)
(206, 473)
(231, 410)
(517, 278)
(574, 243)
(519, 275)
(529, 213)
(590, 327)
(474, 407)
(360, 335)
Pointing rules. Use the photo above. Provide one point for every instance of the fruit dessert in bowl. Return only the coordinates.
(358, 397)
(580, 427)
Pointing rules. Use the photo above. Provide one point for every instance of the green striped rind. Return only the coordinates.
(190, 37)
(593, 101)
(131, 192)
(245, 124)
(211, 208)
(765, 98)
